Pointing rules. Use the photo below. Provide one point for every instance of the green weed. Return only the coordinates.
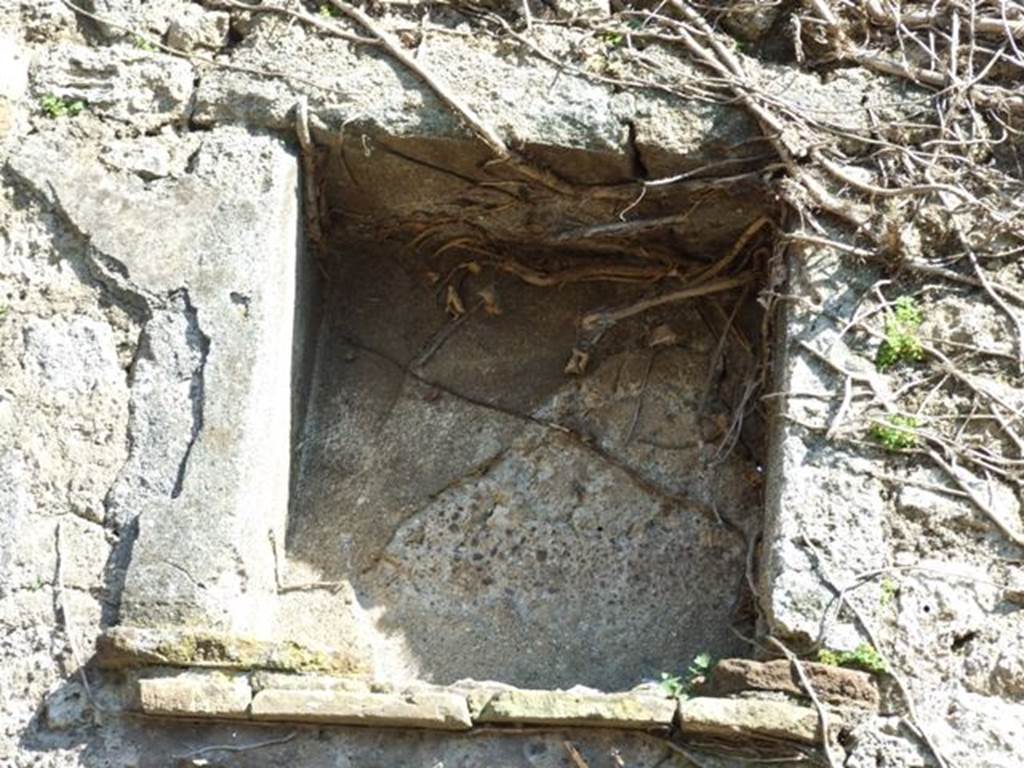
(901, 343)
(672, 685)
(889, 590)
(612, 39)
(863, 657)
(699, 667)
(54, 107)
(679, 686)
(898, 434)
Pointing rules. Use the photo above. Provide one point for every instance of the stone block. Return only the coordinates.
(122, 647)
(197, 28)
(14, 64)
(436, 710)
(834, 685)
(146, 90)
(209, 435)
(292, 682)
(743, 718)
(67, 707)
(600, 710)
(192, 694)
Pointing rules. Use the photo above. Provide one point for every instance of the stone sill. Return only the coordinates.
(200, 694)
(198, 675)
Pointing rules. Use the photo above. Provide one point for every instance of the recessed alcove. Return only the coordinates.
(464, 507)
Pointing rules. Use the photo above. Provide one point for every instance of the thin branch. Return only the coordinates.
(604, 319)
(805, 683)
(238, 747)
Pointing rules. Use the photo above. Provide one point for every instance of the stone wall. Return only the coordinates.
(157, 286)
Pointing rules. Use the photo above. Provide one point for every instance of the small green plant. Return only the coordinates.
(897, 434)
(672, 685)
(143, 44)
(679, 686)
(901, 343)
(54, 106)
(612, 39)
(328, 11)
(889, 589)
(864, 657)
(699, 667)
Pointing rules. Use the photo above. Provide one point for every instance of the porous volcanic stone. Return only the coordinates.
(578, 708)
(196, 694)
(134, 647)
(739, 718)
(832, 684)
(437, 710)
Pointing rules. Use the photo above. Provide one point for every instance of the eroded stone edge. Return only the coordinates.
(216, 694)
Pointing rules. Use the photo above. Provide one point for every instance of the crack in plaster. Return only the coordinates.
(581, 440)
(114, 277)
(131, 487)
(200, 343)
(175, 567)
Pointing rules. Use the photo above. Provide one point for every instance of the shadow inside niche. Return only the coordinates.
(495, 518)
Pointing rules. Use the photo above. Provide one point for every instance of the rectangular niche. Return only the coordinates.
(462, 507)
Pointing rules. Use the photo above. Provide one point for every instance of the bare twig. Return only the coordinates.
(311, 203)
(238, 747)
(805, 683)
(604, 319)
(574, 755)
(912, 718)
(324, 25)
(979, 502)
(485, 132)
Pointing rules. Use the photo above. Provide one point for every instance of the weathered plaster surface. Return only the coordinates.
(208, 438)
(134, 249)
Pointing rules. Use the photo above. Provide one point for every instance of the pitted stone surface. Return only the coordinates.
(144, 89)
(834, 685)
(445, 711)
(285, 681)
(737, 718)
(195, 27)
(587, 708)
(59, 452)
(195, 694)
(552, 516)
(210, 422)
(121, 647)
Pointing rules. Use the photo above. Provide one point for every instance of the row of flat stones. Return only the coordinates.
(275, 697)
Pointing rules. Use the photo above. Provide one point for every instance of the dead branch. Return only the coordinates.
(324, 25)
(601, 320)
(238, 747)
(805, 683)
(984, 25)
(574, 755)
(912, 719)
(311, 202)
(612, 272)
(976, 498)
(473, 121)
